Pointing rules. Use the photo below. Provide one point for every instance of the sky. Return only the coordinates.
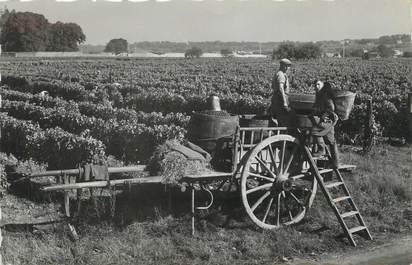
(226, 20)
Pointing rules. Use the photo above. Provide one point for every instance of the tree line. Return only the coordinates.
(31, 32)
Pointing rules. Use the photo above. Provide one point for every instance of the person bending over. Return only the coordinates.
(323, 131)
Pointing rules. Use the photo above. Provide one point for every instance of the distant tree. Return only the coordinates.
(394, 39)
(117, 46)
(3, 18)
(407, 54)
(285, 50)
(384, 51)
(193, 52)
(65, 37)
(226, 52)
(406, 38)
(25, 31)
(365, 41)
(302, 51)
(355, 52)
(308, 51)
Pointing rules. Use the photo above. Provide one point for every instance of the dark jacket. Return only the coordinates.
(324, 100)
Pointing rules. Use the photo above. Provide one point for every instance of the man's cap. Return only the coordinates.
(285, 61)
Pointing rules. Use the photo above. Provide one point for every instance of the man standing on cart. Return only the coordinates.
(280, 107)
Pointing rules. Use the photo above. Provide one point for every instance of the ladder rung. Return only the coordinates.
(356, 229)
(349, 214)
(323, 171)
(347, 167)
(341, 199)
(333, 184)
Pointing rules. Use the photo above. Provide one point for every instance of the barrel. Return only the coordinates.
(206, 130)
(302, 103)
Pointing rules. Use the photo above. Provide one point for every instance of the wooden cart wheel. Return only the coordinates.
(274, 190)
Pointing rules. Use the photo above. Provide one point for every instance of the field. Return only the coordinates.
(124, 108)
(117, 111)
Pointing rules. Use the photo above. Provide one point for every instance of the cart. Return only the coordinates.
(278, 177)
(275, 172)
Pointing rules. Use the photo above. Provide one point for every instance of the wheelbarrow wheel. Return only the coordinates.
(275, 189)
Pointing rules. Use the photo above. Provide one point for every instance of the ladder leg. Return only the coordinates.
(332, 201)
(366, 234)
(193, 210)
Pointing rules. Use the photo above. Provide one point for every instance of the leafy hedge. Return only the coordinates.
(98, 110)
(128, 140)
(54, 146)
(73, 91)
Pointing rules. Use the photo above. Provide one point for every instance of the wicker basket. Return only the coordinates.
(344, 101)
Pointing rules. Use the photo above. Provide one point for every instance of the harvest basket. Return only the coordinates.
(344, 101)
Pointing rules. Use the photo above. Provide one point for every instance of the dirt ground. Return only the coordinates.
(148, 235)
(385, 250)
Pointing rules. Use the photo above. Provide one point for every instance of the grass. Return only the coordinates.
(143, 232)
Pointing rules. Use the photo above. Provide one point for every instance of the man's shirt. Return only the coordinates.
(280, 78)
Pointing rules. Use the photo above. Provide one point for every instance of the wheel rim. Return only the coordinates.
(274, 190)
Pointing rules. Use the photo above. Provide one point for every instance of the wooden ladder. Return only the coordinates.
(326, 188)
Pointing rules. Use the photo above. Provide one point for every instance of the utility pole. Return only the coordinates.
(344, 42)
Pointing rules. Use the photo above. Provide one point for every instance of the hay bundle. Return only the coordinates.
(173, 165)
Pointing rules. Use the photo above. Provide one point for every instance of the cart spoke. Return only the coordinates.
(295, 149)
(296, 199)
(299, 176)
(272, 156)
(269, 205)
(278, 210)
(262, 187)
(266, 167)
(260, 200)
(267, 210)
(261, 158)
(262, 177)
(282, 158)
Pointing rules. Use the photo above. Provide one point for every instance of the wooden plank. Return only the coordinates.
(31, 221)
(333, 184)
(263, 128)
(210, 174)
(356, 229)
(249, 145)
(346, 167)
(339, 199)
(207, 177)
(76, 171)
(66, 196)
(347, 214)
(103, 183)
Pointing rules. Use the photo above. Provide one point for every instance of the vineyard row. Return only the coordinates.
(126, 140)
(390, 115)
